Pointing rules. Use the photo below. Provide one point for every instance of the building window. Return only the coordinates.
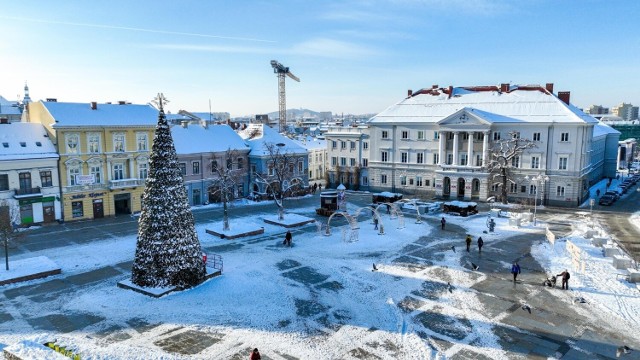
(463, 159)
(300, 166)
(365, 162)
(560, 191)
(46, 180)
(436, 158)
(195, 167)
(365, 180)
(240, 163)
(478, 160)
(141, 139)
(436, 135)
(383, 179)
(353, 162)
(403, 180)
(118, 171)
(353, 145)
(515, 161)
(76, 209)
(343, 161)
(535, 162)
(25, 180)
(495, 187)
(515, 135)
(405, 135)
(365, 145)
(562, 163)
(404, 157)
(4, 182)
(96, 171)
(513, 188)
(564, 137)
(418, 180)
(73, 171)
(536, 136)
(385, 134)
(73, 143)
(93, 141)
(118, 142)
(465, 136)
(334, 161)
(229, 164)
(183, 168)
(496, 136)
(143, 170)
(449, 159)
(384, 156)
(532, 190)
(343, 144)
(334, 144)
(419, 158)
(420, 135)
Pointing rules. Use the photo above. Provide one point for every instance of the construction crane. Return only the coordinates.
(282, 70)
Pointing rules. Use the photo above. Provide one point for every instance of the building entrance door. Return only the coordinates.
(98, 209)
(122, 203)
(49, 213)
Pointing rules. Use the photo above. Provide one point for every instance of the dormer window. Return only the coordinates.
(38, 143)
(5, 144)
(23, 144)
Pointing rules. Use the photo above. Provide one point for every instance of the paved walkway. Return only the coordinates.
(556, 328)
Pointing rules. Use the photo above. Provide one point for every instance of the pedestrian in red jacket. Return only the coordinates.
(255, 355)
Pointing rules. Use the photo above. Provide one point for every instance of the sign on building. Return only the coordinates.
(85, 179)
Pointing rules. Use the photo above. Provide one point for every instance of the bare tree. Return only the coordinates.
(225, 185)
(9, 218)
(280, 178)
(502, 160)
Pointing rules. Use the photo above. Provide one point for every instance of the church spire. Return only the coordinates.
(27, 98)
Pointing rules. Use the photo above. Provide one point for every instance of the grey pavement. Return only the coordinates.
(555, 329)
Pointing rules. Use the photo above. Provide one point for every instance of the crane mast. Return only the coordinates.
(281, 71)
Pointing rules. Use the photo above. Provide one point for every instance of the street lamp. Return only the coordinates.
(539, 179)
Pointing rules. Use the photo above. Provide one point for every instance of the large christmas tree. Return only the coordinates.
(168, 251)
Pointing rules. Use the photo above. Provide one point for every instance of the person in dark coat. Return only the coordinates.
(515, 270)
(480, 243)
(255, 355)
(442, 223)
(468, 240)
(565, 279)
(375, 222)
(287, 238)
(388, 209)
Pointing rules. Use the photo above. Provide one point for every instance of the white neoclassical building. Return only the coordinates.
(438, 141)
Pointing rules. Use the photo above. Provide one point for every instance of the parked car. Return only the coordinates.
(607, 200)
(615, 194)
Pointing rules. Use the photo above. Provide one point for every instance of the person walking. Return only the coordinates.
(480, 243)
(468, 240)
(565, 279)
(442, 223)
(287, 238)
(375, 222)
(515, 270)
(255, 355)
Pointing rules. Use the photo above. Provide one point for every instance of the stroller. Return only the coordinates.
(550, 282)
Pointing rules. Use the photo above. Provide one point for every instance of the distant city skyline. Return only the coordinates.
(352, 57)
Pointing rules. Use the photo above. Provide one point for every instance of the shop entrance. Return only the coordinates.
(98, 209)
(49, 213)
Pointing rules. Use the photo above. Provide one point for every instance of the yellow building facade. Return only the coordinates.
(104, 154)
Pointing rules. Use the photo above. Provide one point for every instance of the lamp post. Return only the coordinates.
(539, 180)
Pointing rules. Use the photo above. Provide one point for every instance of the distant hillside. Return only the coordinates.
(295, 113)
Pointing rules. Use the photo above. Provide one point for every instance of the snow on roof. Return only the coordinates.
(195, 139)
(8, 107)
(19, 141)
(311, 143)
(603, 129)
(528, 104)
(81, 114)
(263, 135)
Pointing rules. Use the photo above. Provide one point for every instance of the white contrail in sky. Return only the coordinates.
(135, 29)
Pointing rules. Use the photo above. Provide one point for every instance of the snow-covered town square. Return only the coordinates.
(321, 299)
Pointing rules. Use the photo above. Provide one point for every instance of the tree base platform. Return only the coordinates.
(160, 292)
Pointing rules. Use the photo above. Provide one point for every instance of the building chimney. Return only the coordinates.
(450, 91)
(94, 105)
(409, 93)
(564, 96)
(121, 102)
(184, 123)
(4, 120)
(434, 86)
(549, 87)
(504, 88)
(52, 100)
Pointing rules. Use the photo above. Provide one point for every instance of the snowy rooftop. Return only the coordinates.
(195, 139)
(311, 143)
(603, 129)
(22, 141)
(81, 114)
(520, 103)
(8, 107)
(263, 135)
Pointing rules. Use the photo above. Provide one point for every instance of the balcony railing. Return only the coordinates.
(116, 184)
(26, 192)
(76, 188)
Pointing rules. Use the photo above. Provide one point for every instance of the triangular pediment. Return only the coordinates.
(466, 117)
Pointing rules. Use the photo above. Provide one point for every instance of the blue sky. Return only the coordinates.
(351, 56)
